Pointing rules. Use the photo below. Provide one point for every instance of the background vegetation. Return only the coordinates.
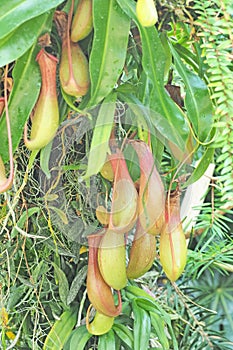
(50, 209)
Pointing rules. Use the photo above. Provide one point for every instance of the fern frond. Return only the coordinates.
(214, 18)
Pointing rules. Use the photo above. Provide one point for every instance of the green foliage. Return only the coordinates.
(25, 73)
(27, 23)
(49, 211)
(215, 292)
(19, 12)
(167, 115)
(102, 131)
(197, 100)
(109, 48)
(61, 330)
(216, 23)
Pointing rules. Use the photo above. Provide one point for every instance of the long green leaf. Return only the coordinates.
(193, 60)
(142, 327)
(197, 100)
(159, 327)
(78, 339)
(76, 284)
(23, 218)
(23, 97)
(164, 110)
(62, 283)
(141, 112)
(142, 120)
(111, 31)
(13, 13)
(145, 301)
(16, 43)
(203, 164)
(44, 159)
(124, 333)
(61, 330)
(152, 306)
(107, 341)
(101, 135)
(166, 116)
